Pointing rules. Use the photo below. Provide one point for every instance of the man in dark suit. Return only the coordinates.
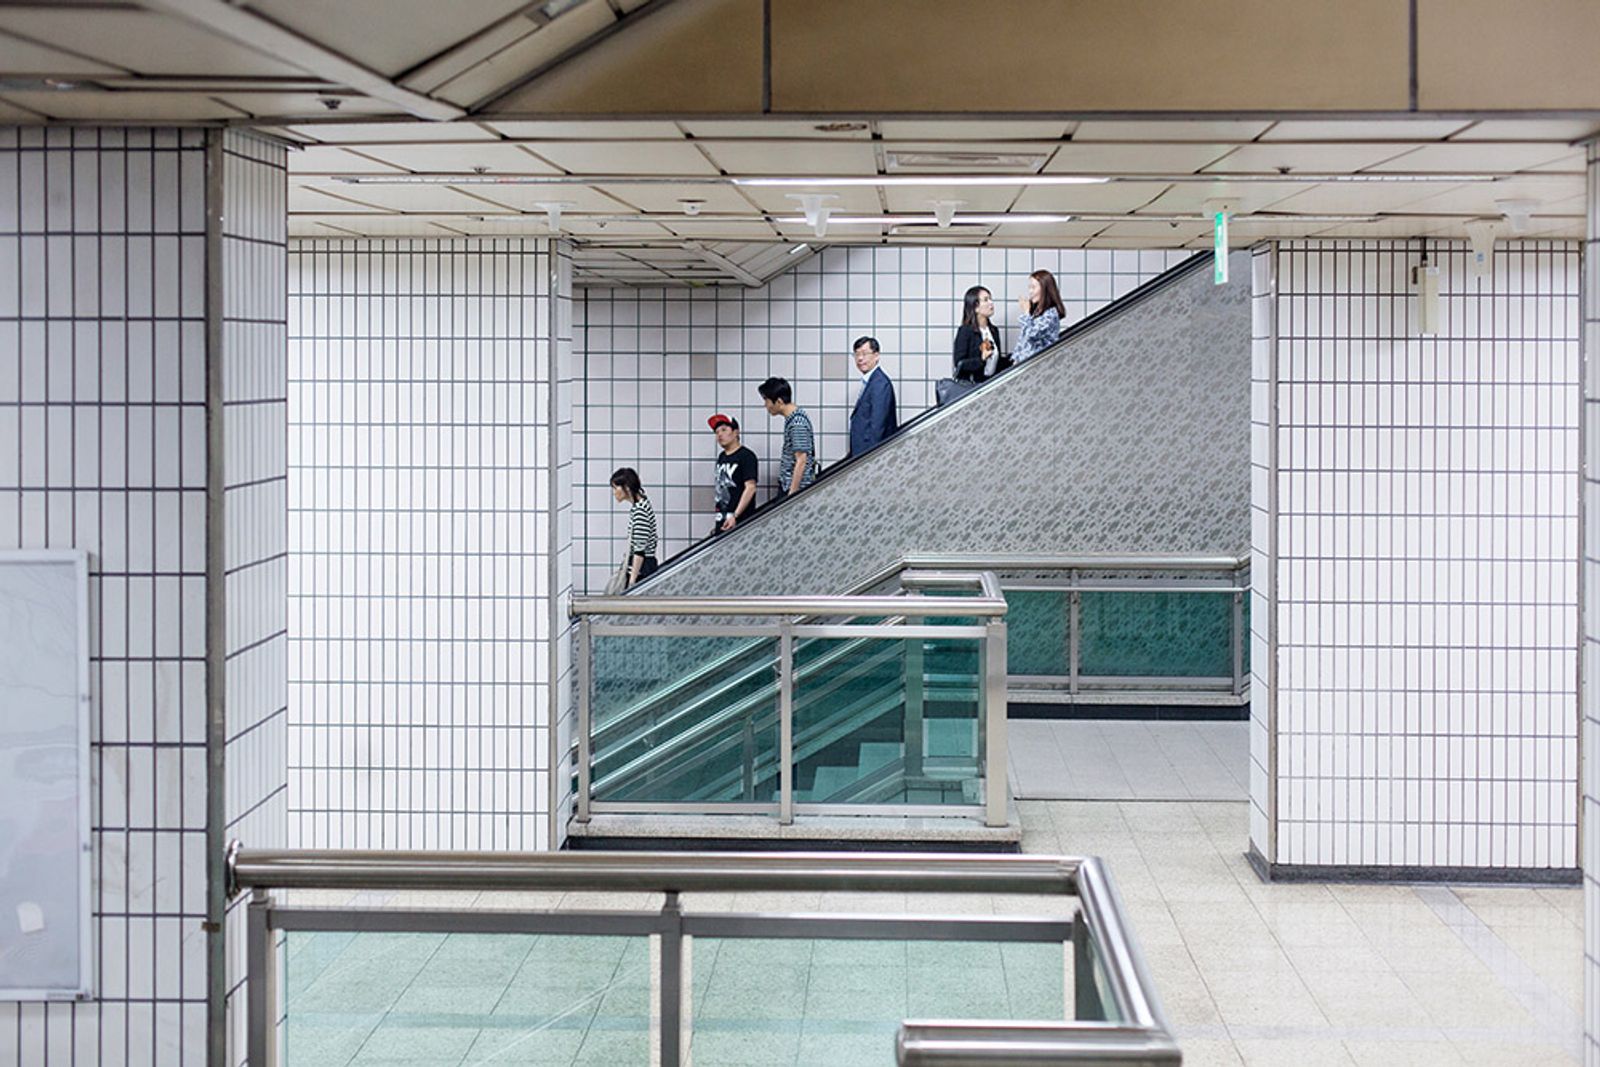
(872, 420)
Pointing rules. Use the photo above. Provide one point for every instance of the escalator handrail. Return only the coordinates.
(1069, 333)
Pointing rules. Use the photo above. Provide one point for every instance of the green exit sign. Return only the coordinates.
(1219, 248)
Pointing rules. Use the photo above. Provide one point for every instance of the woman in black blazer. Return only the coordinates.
(977, 349)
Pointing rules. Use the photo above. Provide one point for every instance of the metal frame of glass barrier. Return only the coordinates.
(1080, 574)
(905, 617)
(1125, 1023)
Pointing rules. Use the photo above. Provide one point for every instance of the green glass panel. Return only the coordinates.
(1036, 633)
(1140, 634)
(685, 719)
(854, 742)
(512, 999)
(1101, 985)
(841, 1002)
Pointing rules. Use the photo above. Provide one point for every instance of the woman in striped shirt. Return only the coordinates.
(641, 524)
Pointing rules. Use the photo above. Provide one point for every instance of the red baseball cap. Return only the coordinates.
(719, 419)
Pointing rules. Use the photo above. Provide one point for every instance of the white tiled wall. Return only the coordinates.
(1591, 619)
(253, 364)
(656, 363)
(422, 471)
(103, 447)
(1425, 588)
(1263, 547)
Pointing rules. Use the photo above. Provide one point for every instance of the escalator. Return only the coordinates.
(1130, 435)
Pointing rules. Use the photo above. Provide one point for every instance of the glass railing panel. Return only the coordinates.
(511, 999)
(1036, 633)
(710, 738)
(840, 1002)
(1130, 633)
(888, 721)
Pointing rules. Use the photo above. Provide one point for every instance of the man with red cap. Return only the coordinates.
(737, 471)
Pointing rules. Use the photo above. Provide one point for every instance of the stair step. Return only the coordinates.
(829, 780)
(875, 754)
(950, 737)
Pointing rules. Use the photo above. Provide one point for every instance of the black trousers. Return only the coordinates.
(648, 567)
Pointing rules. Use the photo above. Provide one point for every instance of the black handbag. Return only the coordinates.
(947, 390)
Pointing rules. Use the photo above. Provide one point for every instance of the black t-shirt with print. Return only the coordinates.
(733, 470)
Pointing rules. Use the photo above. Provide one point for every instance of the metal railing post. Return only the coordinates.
(786, 722)
(996, 770)
(585, 723)
(671, 983)
(749, 744)
(915, 677)
(1238, 643)
(261, 982)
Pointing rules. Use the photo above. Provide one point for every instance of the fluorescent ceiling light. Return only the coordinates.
(926, 220)
(890, 180)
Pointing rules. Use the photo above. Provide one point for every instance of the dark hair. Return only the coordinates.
(1049, 294)
(776, 389)
(873, 341)
(627, 479)
(969, 305)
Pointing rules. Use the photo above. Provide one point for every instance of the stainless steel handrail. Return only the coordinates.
(657, 872)
(1140, 1034)
(990, 605)
(787, 605)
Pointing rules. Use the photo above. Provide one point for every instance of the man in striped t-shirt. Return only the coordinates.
(798, 467)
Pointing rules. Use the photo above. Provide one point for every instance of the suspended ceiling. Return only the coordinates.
(387, 102)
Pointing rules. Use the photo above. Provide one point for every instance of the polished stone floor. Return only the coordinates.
(1092, 759)
(1249, 973)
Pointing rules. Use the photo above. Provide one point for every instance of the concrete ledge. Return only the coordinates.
(1355, 874)
(826, 832)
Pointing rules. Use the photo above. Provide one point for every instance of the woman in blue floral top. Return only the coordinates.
(1039, 318)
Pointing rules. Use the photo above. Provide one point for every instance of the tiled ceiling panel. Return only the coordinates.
(141, 41)
(790, 157)
(1364, 130)
(1074, 158)
(494, 157)
(1307, 158)
(1157, 130)
(356, 27)
(620, 157)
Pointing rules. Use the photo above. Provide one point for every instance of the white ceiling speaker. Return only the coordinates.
(691, 207)
(817, 208)
(1481, 232)
(552, 212)
(944, 211)
(1518, 212)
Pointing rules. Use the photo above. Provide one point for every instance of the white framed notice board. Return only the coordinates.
(45, 934)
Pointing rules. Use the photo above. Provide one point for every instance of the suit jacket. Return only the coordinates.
(969, 353)
(873, 418)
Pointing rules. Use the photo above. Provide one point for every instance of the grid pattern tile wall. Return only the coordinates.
(103, 448)
(1425, 586)
(419, 574)
(253, 364)
(1263, 555)
(557, 700)
(1590, 504)
(656, 363)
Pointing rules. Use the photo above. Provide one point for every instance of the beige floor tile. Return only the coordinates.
(1403, 1053)
(1275, 998)
(1209, 1052)
(1508, 1054)
(1354, 999)
(1352, 957)
(1298, 1052)
(1456, 1001)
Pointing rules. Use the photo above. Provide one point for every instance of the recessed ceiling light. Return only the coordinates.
(1025, 162)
